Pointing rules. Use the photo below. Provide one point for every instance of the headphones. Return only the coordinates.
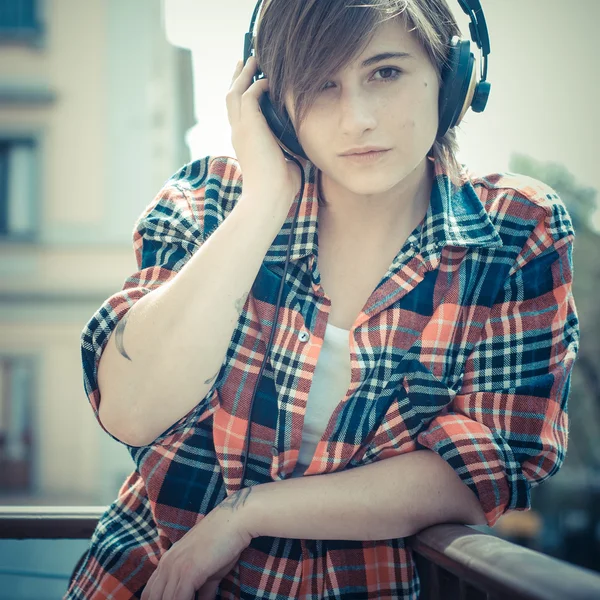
(459, 91)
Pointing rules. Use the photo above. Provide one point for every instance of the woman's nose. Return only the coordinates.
(356, 112)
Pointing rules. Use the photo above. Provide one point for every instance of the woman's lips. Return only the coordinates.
(366, 156)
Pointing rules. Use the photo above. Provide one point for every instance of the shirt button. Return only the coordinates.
(303, 336)
(274, 450)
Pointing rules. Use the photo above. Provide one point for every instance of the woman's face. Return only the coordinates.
(391, 103)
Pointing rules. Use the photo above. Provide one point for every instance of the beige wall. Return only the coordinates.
(73, 64)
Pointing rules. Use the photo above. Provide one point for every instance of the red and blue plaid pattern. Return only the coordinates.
(465, 347)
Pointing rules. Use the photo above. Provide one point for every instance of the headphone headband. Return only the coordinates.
(478, 30)
(472, 8)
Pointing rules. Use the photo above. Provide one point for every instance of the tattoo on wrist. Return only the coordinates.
(237, 499)
(119, 336)
(239, 303)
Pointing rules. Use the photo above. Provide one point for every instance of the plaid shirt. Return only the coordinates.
(465, 347)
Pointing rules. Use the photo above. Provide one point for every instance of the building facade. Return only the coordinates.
(94, 107)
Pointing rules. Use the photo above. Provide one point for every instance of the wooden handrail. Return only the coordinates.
(49, 522)
(498, 567)
(455, 561)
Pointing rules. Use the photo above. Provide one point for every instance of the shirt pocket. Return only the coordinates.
(416, 400)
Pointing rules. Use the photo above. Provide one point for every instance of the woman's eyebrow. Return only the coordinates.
(385, 56)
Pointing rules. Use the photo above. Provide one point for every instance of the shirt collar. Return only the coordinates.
(455, 217)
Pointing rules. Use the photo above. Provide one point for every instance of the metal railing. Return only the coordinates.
(455, 562)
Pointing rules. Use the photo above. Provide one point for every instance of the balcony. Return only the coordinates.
(456, 562)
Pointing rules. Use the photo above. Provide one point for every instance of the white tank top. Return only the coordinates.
(331, 380)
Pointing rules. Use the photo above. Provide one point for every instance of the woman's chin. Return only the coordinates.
(379, 182)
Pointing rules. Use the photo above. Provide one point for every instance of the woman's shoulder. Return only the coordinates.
(511, 199)
(205, 189)
(217, 170)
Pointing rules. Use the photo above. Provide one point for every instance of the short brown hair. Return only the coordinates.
(301, 44)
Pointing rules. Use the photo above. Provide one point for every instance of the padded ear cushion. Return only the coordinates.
(456, 79)
(281, 126)
(470, 96)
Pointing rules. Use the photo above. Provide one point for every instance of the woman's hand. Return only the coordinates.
(203, 556)
(268, 175)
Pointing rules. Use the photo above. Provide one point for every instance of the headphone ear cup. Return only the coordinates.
(456, 82)
(281, 126)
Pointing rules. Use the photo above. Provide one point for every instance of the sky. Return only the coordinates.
(542, 68)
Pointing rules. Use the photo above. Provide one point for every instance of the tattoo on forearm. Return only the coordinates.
(237, 499)
(239, 303)
(119, 336)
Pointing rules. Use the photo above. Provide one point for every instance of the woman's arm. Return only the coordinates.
(177, 336)
(392, 498)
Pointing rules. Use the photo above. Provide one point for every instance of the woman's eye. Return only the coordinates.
(388, 74)
(388, 70)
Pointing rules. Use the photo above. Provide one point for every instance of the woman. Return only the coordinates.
(421, 359)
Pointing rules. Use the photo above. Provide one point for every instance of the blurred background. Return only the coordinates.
(102, 100)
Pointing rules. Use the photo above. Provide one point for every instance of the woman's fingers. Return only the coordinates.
(154, 588)
(256, 89)
(242, 76)
(243, 89)
(236, 73)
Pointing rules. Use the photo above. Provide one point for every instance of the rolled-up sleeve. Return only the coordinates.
(165, 237)
(507, 428)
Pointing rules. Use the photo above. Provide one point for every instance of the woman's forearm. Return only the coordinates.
(392, 498)
(177, 335)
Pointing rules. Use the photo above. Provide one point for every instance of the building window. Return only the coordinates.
(16, 439)
(19, 20)
(18, 176)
